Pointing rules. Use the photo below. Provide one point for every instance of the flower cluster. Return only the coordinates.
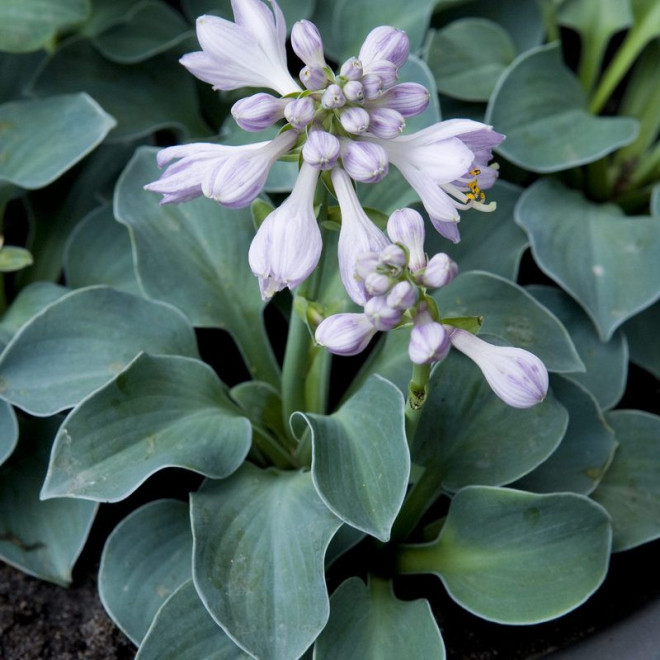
(349, 122)
(391, 281)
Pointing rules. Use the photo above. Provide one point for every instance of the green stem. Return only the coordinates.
(295, 367)
(418, 390)
(419, 499)
(268, 446)
(258, 354)
(598, 179)
(648, 168)
(637, 38)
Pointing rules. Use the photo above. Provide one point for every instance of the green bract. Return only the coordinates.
(280, 502)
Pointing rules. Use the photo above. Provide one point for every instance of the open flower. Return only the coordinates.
(250, 52)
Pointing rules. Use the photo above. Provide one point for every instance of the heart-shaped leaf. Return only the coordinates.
(469, 436)
(260, 533)
(511, 313)
(43, 539)
(145, 559)
(360, 463)
(460, 69)
(139, 96)
(542, 109)
(514, 557)
(370, 622)
(606, 363)
(183, 629)
(194, 256)
(585, 452)
(606, 261)
(43, 138)
(630, 489)
(160, 412)
(83, 340)
(99, 252)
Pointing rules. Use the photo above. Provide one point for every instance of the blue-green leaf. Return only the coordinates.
(99, 252)
(183, 630)
(138, 96)
(145, 559)
(83, 340)
(40, 139)
(606, 363)
(28, 25)
(151, 28)
(30, 300)
(642, 334)
(460, 69)
(468, 436)
(194, 256)
(160, 412)
(541, 108)
(630, 489)
(8, 431)
(514, 557)
(360, 463)
(345, 24)
(606, 261)
(262, 533)
(369, 622)
(43, 539)
(510, 313)
(585, 452)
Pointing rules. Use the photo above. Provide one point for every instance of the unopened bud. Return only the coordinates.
(354, 120)
(300, 112)
(353, 91)
(403, 295)
(307, 43)
(440, 270)
(365, 161)
(321, 150)
(345, 334)
(406, 226)
(386, 123)
(259, 111)
(313, 77)
(381, 316)
(333, 97)
(351, 69)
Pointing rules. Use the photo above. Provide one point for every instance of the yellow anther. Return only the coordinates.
(475, 172)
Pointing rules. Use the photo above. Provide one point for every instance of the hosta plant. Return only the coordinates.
(189, 246)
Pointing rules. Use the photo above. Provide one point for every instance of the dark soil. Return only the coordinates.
(41, 621)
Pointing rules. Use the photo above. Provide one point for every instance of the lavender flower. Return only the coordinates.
(516, 376)
(429, 341)
(345, 334)
(287, 246)
(349, 123)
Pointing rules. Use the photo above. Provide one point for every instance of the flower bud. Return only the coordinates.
(386, 123)
(403, 296)
(410, 99)
(354, 120)
(385, 70)
(321, 150)
(313, 77)
(393, 255)
(300, 112)
(429, 341)
(351, 69)
(377, 284)
(385, 43)
(353, 91)
(372, 86)
(516, 376)
(333, 97)
(345, 334)
(381, 316)
(365, 264)
(307, 43)
(406, 226)
(259, 111)
(440, 270)
(365, 161)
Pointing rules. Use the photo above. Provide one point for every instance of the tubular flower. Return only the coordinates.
(350, 123)
(287, 246)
